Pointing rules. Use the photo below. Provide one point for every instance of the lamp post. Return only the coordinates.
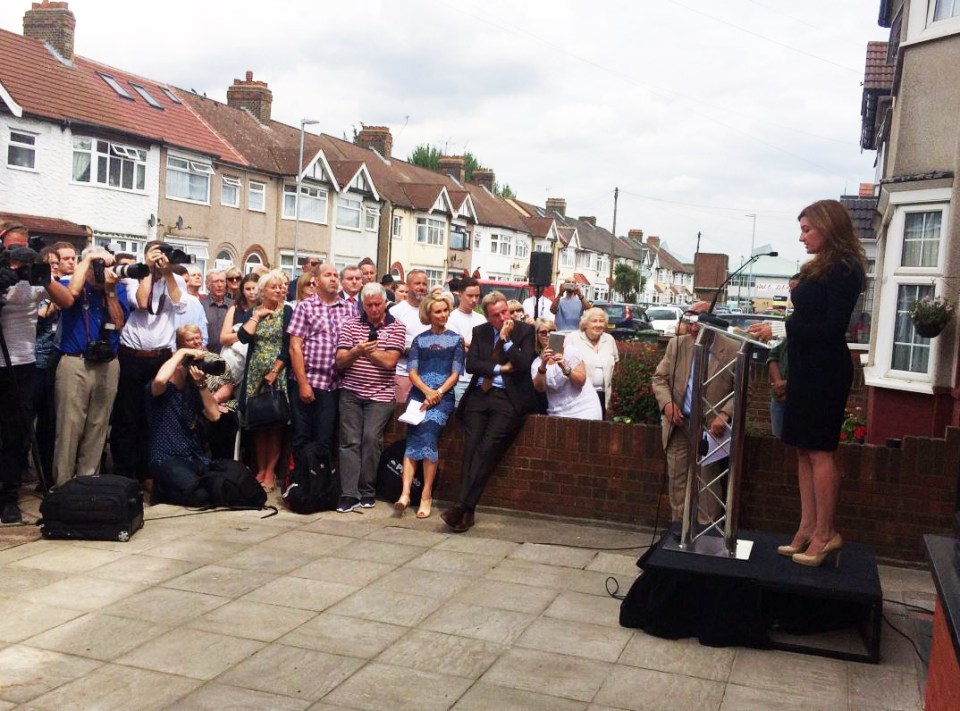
(296, 199)
(753, 238)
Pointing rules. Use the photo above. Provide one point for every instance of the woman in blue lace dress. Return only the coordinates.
(434, 364)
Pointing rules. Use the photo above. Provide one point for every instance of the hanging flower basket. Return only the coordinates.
(931, 316)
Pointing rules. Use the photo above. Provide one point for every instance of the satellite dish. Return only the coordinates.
(180, 222)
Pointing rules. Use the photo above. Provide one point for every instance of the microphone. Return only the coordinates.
(708, 317)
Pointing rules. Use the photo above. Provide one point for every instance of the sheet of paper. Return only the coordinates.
(717, 447)
(413, 415)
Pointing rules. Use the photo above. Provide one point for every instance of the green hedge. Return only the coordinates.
(632, 399)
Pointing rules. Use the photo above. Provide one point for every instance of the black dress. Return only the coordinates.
(821, 371)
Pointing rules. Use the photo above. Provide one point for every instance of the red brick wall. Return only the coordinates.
(612, 472)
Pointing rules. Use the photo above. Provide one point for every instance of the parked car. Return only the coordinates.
(664, 318)
(518, 290)
(624, 320)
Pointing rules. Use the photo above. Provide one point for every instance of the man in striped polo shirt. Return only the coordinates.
(367, 353)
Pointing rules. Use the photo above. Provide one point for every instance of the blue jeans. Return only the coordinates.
(777, 408)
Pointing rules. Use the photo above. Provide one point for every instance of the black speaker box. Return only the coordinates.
(541, 268)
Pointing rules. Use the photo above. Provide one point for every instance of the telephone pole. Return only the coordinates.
(613, 242)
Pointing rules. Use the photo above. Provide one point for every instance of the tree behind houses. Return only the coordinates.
(627, 282)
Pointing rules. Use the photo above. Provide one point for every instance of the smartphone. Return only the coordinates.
(556, 342)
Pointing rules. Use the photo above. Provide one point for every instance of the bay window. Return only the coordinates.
(188, 179)
(348, 212)
(313, 203)
(430, 231)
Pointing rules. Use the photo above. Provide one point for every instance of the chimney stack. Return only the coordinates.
(557, 205)
(590, 219)
(377, 138)
(255, 96)
(653, 242)
(452, 166)
(485, 178)
(867, 190)
(51, 22)
(635, 234)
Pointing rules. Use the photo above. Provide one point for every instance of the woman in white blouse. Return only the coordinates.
(563, 377)
(599, 352)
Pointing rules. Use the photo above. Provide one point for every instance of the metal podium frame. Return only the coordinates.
(694, 537)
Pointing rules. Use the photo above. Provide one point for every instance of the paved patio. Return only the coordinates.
(368, 611)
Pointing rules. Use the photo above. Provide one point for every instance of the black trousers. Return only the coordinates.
(222, 435)
(490, 425)
(43, 408)
(129, 431)
(16, 415)
(314, 423)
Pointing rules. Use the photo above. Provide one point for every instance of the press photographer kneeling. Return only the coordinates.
(178, 397)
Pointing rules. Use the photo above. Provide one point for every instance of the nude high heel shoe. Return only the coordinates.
(789, 550)
(814, 560)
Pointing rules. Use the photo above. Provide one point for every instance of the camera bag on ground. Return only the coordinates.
(312, 483)
(231, 484)
(93, 508)
(390, 475)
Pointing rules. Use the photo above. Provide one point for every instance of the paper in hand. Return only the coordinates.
(413, 415)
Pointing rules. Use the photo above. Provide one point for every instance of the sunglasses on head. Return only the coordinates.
(233, 278)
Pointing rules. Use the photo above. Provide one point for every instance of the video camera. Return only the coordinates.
(29, 269)
(209, 367)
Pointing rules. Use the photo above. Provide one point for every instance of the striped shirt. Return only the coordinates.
(362, 377)
(319, 325)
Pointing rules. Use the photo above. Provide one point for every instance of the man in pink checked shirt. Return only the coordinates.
(314, 330)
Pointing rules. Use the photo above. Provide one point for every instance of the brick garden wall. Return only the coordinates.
(614, 472)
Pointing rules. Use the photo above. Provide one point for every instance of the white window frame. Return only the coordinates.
(290, 267)
(880, 373)
(919, 24)
(477, 240)
(521, 249)
(99, 151)
(127, 244)
(198, 174)
(431, 231)
(371, 218)
(25, 142)
(200, 251)
(396, 226)
(252, 261)
(434, 276)
(568, 257)
(257, 189)
(349, 212)
(309, 195)
(227, 184)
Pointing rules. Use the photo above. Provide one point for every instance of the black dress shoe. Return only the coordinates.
(453, 517)
(467, 520)
(10, 513)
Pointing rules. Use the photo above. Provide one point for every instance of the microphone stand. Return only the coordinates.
(707, 316)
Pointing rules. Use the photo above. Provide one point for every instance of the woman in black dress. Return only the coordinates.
(821, 371)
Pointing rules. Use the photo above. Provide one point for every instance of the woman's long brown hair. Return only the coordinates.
(840, 243)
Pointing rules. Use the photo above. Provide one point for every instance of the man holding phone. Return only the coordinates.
(568, 305)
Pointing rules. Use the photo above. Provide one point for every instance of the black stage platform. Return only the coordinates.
(759, 602)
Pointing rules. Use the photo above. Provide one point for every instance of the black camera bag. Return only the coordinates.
(233, 485)
(312, 484)
(390, 475)
(93, 508)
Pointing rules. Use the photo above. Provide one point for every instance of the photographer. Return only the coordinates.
(19, 295)
(568, 305)
(178, 397)
(87, 374)
(146, 342)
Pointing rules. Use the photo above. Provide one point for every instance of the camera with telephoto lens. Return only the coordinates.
(209, 367)
(174, 255)
(29, 269)
(131, 271)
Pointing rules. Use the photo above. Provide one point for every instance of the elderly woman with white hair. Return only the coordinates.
(264, 329)
(599, 352)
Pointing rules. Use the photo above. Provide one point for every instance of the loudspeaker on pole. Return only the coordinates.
(541, 268)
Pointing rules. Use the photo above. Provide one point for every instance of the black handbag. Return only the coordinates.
(267, 407)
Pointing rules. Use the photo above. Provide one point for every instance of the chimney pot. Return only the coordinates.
(51, 22)
(452, 166)
(377, 138)
(557, 205)
(485, 178)
(255, 96)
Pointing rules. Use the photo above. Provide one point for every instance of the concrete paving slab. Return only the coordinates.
(26, 673)
(97, 636)
(681, 656)
(348, 636)
(143, 569)
(84, 593)
(442, 653)
(20, 619)
(554, 555)
(880, 688)
(428, 583)
(579, 639)
(580, 607)
(301, 593)
(341, 570)
(216, 697)
(292, 671)
(387, 606)
(220, 580)
(481, 546)
(483, 697)
(380, 686)
(486, 623)
(116, 688)
(166, 606)
(824, 680)
(643, 689)
(549, 673)
(192, 653)
(379, 551)
(72, 559)
(252, 620)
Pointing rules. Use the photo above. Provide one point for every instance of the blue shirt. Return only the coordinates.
(87, 314)
(174, 418)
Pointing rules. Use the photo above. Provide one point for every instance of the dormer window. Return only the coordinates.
(115, 85)
(170, 95)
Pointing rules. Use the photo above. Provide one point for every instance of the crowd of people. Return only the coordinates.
(140, 369)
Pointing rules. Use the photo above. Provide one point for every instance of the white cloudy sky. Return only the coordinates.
(699, 111)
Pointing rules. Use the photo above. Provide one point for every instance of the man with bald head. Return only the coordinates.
(673, 388)
(314, 330)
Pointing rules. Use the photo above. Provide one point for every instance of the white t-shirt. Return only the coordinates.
(564, 399)
(19, 321)
(463, 324)
(545, 304)
(144, 331)
(409, 316)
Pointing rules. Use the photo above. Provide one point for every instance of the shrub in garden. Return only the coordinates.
(632, 399)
